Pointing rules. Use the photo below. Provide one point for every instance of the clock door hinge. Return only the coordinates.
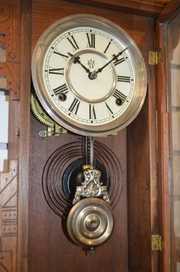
(154, 57)
(156, 242)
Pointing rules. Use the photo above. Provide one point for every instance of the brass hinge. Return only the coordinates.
(156, 242)
(155, 57)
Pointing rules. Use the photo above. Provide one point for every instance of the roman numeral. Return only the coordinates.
(107, 47)
(91, 39)
(108, 107)
(73, 42)
(92, 113)
(118, 61)
(74, 106)
(60, 54)
(61, 89)
(124, 79)
(56, 71)
(118, 95)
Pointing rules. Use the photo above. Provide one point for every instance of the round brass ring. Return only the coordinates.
(138, 65)
(90, 222)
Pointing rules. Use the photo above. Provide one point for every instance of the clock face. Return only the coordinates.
(89, 75)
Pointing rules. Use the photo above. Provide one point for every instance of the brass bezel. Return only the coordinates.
(140, 87)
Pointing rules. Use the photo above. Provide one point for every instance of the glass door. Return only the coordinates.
(174, 108)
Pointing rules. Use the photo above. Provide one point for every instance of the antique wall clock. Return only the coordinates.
(87, 173)
(91, 79)
(82, 174)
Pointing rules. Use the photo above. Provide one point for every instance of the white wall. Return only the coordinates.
(4, 110)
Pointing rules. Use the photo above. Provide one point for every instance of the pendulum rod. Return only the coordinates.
(89, 150)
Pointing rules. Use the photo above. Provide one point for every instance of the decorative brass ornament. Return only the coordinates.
(90, 222)
(91, 186)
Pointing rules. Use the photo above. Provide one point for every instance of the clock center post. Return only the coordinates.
(85, 81)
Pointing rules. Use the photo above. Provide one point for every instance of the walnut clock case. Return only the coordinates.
(91, 79)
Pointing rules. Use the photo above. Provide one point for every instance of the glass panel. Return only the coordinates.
(4, 117)
(174, 104)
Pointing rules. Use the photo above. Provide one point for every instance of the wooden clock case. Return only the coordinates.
(39, 244)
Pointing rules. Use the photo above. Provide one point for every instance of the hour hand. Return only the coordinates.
(76, 59)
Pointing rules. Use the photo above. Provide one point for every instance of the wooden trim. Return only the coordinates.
(131, 6)
(24, 152)
(170, 11)
(154, 183)
(163, 148)
(178, 249)
(142, 182)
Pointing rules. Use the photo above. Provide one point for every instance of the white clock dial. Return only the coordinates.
(89, 75)
(74, 82)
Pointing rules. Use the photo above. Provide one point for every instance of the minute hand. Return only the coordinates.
(114, 57)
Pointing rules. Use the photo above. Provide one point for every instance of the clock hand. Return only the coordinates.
(77, 60)
(114, 58)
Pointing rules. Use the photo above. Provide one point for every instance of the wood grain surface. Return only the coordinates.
(143, 7)
(48, 247)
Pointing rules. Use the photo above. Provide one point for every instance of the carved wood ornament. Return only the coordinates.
(8, 218)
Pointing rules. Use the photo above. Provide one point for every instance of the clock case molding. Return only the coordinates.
(144, 155)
